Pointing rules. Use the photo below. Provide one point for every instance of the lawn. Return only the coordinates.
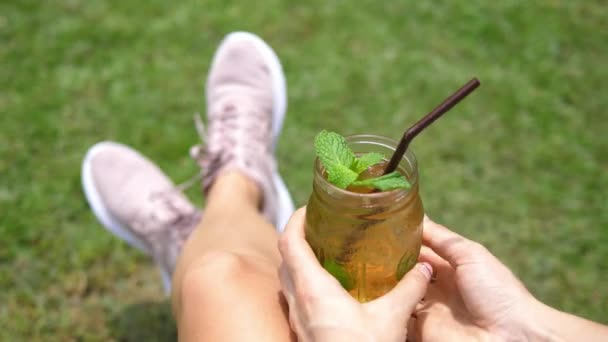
(521, 165)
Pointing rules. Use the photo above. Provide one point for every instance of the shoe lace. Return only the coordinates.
(222, 144)
(203, 155)
(197, 152)
(181, 220)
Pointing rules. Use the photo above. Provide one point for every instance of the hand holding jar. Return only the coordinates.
(321, 310)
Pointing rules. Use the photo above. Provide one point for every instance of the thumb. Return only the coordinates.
(408, 293)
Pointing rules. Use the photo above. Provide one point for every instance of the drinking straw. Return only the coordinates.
(427, 120)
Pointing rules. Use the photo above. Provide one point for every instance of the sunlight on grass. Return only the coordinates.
(520, 165)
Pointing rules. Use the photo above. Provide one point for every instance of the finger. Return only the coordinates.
(298, 257)
(443, 276)
(429, 324)
(288, 291)
(408, 292)
(411, 330)
(287, 285)
(295, 225)
(450, 246)
(428, 255)
(435, 293)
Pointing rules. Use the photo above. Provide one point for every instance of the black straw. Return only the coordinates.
(428, 119)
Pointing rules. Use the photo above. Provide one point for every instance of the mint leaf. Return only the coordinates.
(332, 150)
(343, 167)
(393, 180)
(406, 263)
(340, 273)
(341, 176)
(336, 157)
(367, 160)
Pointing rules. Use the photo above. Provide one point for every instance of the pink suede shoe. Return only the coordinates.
(137, 202)
(246, 102)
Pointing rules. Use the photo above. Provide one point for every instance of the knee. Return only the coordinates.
(221, 271)
(216, 275)
(205, 276)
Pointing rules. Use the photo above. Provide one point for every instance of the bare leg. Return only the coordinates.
(226, 286)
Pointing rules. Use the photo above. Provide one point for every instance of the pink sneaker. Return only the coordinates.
(246, 102)
(137, 202)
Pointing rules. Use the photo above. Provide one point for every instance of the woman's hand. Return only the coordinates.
(474, 296)
(321, 310)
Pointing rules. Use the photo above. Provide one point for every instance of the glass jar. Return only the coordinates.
(367, 241)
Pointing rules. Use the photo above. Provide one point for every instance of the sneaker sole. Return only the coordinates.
(102, 214)
(279, 107)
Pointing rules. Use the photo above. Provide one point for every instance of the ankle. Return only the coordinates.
(236, 186)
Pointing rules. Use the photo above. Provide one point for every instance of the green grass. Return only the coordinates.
(520, 166)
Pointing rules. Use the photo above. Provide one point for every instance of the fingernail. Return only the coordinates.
(426, 269)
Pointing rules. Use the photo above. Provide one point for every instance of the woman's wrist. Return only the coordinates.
(531, 324)
(543, 322)
(555, 325)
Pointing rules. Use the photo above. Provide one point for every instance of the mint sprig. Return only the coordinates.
(340, 273)
(344, 168)
(367, 160)
(393, 180)
(337, 158)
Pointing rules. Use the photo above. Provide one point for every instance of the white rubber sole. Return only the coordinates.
(109, 222)
(279, 107)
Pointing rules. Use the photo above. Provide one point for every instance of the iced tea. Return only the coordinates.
(366, 239)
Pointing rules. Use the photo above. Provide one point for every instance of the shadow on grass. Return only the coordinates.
(147, 321)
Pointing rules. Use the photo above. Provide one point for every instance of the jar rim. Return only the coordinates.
(409, 157)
